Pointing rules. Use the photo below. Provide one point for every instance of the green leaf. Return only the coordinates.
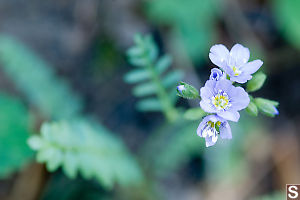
(85, 147)
(14, 131)
(139, 62)
(150, 104)
(194, 114)
(144, 89)
(135, 51)
(192, 22)
(287, 15)
(187, 91)
(256, 82)
(163, 63)
(172, 78)
(136, 76)
(143, 52)
(154, 68)
(252, 109)
(36, 79)
(266, 106)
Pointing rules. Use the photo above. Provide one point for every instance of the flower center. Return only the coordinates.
(212, 130)
(236, 71)
(221, 100)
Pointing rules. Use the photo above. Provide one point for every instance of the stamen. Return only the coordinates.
(221, 100)
(210, 130)
(236, 71)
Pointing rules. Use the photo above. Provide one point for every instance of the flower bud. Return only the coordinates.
(256, 82)
(252, 109)
(266, 106)
(187, 91)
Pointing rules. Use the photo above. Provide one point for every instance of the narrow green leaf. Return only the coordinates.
(151, 48)
(136, 76)
(256, 82)
(150, 104)
(194, 114)
(135, 51)
(144, 89)
(139, 62)
(163, 63)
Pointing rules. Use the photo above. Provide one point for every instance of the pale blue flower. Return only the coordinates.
(224, 99)
(234, 63)
(211, 127)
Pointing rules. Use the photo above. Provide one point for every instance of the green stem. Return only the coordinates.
(169, 110)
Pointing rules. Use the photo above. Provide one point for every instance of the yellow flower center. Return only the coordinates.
(221, 101)
(236, 71)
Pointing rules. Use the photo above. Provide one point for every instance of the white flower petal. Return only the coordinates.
(218, 55)
(230, 115)
(240, 54)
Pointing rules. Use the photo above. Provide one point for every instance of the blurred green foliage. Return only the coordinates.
(192, 22)
(37, 80)
(150, 77)
(79, 146)
(287, 15)
(14, 131)
(84, 146)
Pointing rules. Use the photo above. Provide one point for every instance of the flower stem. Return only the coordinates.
(168, 108)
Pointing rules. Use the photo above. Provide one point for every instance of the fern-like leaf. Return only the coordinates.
(150, 78)
(36, 79)
(82, 146)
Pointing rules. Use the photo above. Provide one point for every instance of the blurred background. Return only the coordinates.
(60, 59)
